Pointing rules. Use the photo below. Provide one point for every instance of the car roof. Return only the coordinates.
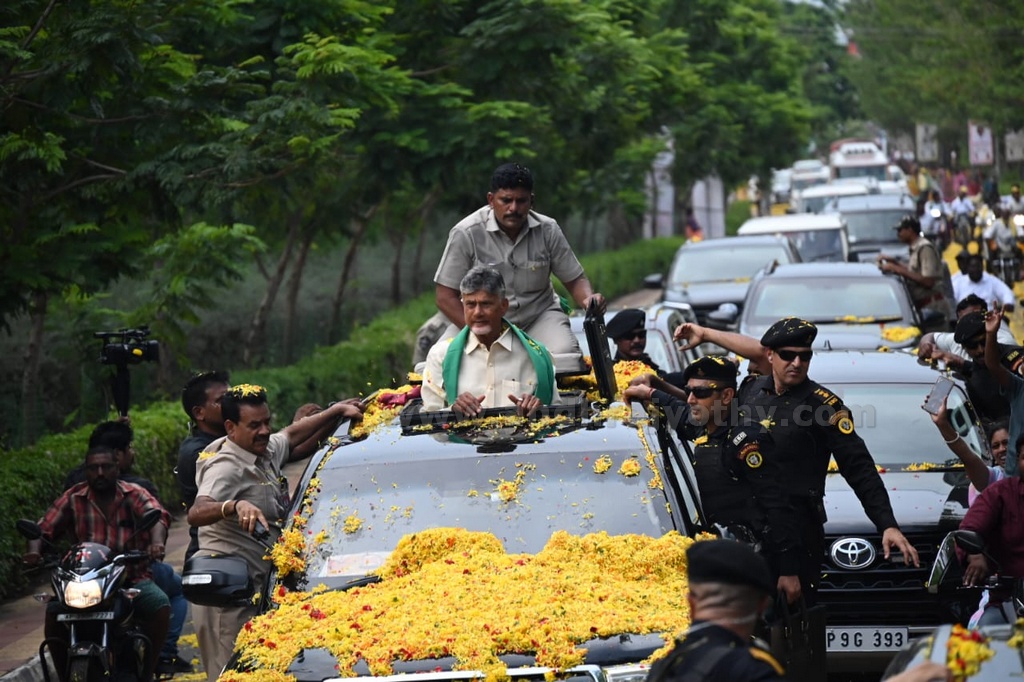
(825, 270)
(798, 222)
(738, 240)
(869, 367)
(836, 189)
(874, 202)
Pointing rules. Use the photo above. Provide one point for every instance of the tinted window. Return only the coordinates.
(873, 226)
(818, 245)
(556, 491)
(877, 172)
(725, 264)
(825, 300)
(897, 431)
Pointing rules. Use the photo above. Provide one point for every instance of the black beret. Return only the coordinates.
(730, 562)
(624, 322)
(790, 331)
(968, 327)
(712, 367)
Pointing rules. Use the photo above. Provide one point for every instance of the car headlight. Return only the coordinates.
(627, 673)
(83, 595)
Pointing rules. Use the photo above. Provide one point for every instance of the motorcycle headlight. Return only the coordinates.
(83, 595)
(1018, 220)
(936, 213)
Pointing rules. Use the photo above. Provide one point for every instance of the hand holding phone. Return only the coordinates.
(937, 396)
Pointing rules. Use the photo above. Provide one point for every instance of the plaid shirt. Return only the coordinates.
(77, 515)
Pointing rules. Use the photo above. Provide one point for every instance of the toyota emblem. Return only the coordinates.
(853, 553)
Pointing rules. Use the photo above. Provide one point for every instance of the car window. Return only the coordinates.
(818, 245)
(876, 172)
(365, 509)
(897, 431)
(725, 264)
(824, 300)
(873, 226)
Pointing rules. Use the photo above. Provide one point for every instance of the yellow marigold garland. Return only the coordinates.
(437, 599)
(900, 334)
(602, 464)
(630, 467)
(966, 650)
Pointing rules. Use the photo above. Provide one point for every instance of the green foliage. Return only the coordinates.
(737, 214)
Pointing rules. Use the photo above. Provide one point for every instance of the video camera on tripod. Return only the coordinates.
(120, 349)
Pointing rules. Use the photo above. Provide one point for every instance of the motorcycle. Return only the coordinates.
(104, 643)
(998, 601)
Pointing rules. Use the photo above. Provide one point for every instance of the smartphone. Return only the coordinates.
(940, 391)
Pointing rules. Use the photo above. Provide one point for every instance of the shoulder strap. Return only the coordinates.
(450, 365)
(700, 671)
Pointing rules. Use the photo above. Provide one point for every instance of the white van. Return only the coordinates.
(817, 237)
(817, 199)
(853, 158)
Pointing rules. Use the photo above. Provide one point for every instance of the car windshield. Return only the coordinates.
(824, 300)
(804, 183)
(521, 498)
(897, 431)
(876, 172)
(818, 245)
(873, 226)
(724, 264)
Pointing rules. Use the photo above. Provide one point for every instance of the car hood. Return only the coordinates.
(708, 293)
(920, 500)
(315, 665)
(842, 336)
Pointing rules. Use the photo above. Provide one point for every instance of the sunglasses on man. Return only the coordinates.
(791, 355)
(700, 392)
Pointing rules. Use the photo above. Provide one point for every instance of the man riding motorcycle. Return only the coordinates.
(105, 510)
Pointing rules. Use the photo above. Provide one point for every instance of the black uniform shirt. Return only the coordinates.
(739, 483)
(809, 425)
(712, 653)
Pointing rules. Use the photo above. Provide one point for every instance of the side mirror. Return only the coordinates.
(29, 530)
(655, 281)
(969, 541)
(725, 314)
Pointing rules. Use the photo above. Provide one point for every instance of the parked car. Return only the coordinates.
(708, 273)
(855, 305)
(876, 605)
(817, 199)
(869, 221)
(662, 320)
(816, 237)
(365, 494)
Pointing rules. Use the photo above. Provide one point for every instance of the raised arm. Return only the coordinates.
(692, 335)
(306, 427)
(583, 293)
(993, 319)
(974, 465)
(449, 302)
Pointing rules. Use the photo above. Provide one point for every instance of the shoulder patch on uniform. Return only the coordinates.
(751, 454)
(762, 655)
(826, 396)
(842, 421)
(700, 440)
(1013, 360)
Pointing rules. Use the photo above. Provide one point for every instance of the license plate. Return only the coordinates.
(96, 615)
(865, 639)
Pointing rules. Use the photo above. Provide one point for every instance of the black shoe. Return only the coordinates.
(172, 666)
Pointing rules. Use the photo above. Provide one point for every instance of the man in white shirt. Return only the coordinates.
(491, 362)
(939, 345)
(962, 205)
(973, 279)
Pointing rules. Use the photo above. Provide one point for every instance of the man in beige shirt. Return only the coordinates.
(924, 273)
(240, 483)
(491, 362)
(526, 248)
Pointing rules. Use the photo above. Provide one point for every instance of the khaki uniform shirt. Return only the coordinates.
(527, 264)
(924, 259)
(236, 474)
(495, 373)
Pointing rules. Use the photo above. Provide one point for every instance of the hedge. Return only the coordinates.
(377, 354)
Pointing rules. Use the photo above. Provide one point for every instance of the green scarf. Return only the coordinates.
(538, 355)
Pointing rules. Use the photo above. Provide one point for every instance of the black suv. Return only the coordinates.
(875, 606)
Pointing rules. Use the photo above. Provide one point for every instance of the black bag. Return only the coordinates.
(798, 640)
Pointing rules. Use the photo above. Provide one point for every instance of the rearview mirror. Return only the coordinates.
(969, 541)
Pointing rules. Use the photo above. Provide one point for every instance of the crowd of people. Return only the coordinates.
(507, 335)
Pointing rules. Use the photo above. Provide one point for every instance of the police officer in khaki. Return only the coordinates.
(808, 425)
(526, 248)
